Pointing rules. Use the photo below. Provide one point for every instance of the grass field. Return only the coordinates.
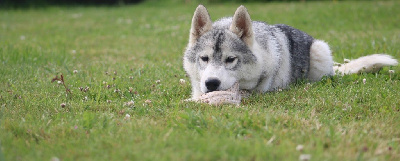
(119, 61)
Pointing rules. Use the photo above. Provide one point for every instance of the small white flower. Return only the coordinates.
(59, 82)
(86, 89)
(305, 157)
(63, 105)
(158, 81)
(182, 81)
(147, 101)
(391, 71)
(364, 81)
(108, 101)
(299, 147)
(75, 71)
(127, 116)
(54, 159)
(130, 103)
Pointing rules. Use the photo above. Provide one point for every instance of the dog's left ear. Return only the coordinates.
(241, 25)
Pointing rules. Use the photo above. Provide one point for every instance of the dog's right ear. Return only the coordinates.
(201, 23)
(241, 25)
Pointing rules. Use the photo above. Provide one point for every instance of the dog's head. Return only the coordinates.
(216, 53)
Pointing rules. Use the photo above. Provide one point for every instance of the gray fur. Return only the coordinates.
(299, 47)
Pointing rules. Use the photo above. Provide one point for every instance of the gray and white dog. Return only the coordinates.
(261, 57)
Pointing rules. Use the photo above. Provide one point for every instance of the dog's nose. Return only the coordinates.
(212, 84)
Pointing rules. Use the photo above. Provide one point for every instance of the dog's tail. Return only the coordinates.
(371, 63)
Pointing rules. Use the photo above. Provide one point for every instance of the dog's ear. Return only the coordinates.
(201, 23)
(241, 25)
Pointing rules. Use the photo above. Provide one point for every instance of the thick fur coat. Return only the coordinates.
(259, 56)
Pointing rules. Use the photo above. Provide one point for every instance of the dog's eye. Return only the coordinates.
(230, 59)
(204, 58)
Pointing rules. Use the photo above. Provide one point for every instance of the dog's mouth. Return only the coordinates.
(234, 87)
(208, 91)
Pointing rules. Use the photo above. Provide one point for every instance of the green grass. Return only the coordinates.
(120, 53)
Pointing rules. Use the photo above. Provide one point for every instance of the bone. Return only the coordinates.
(230, 96)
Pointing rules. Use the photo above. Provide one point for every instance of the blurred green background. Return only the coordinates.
(45, 3)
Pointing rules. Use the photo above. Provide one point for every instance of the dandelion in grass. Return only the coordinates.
(127, 117)
(86, 89)
(299, 147)
(182, 81)
(305, 157)
(130, 103)
(54, 159)
(391, 72)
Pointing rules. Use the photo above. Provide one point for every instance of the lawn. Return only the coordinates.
(121, 94)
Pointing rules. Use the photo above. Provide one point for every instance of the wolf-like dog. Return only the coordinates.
(261, 57)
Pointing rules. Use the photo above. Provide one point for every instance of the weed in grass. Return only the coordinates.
(60, 80)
